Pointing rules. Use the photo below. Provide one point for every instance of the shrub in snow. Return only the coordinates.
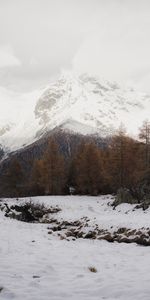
(31, 212)
(124, 196)
(145, 203)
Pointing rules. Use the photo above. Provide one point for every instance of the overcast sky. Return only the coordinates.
(40, 38)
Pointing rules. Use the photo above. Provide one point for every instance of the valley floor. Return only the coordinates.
(37, 266)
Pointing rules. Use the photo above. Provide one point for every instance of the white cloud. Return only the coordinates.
(118, 46)
(109, 38)
(7, 57)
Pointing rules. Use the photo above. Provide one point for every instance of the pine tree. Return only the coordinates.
(124, 164)
(53, 170)
(144, 184)
(117, 158)
(144, 136)
(14, 178)
(37, 177)
(88, 170)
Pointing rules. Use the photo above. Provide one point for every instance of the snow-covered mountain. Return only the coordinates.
(81, 104)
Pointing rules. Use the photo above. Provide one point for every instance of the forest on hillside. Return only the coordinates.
(91, 170)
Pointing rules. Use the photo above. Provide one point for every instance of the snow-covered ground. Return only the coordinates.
(37, 266)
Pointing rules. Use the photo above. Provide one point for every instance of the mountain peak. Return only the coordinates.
(82, 104)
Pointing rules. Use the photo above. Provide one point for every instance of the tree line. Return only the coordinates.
(91, 170)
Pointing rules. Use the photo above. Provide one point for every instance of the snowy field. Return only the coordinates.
(37, 266)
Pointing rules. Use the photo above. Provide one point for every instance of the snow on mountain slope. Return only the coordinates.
(99, 106)
(81, 104)
(17, 120)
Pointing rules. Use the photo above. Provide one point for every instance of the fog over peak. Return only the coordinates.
(108, 38)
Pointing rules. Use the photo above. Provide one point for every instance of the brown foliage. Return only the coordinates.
(88, 169)
(48, 174)
(12, 180)
(124, 164)
(91, 170)
(144, 136)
